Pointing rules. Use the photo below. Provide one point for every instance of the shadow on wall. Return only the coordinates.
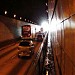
(8, 31)
(11, 24)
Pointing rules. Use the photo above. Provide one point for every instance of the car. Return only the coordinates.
(26, 48)
(39, 37)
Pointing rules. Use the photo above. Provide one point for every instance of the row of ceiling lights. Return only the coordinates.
(19, 18)
(25, 19)
(47, 7)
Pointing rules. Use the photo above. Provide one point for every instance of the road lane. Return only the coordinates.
(7, 50)
(24, 70)
(17, 66)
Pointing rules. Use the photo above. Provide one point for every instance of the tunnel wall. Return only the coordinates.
(63, 37)
(10, 30)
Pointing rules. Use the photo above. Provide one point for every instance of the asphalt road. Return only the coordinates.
(10, 64)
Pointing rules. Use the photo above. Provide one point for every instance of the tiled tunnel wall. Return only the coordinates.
(63, 38)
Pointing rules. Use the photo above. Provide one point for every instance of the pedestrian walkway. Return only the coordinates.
(49, 66)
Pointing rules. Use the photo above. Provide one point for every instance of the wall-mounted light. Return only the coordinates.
(20, 18)
(47, 11)
(25, 19)
(5, 12)
(14, 15)
(28, 20)
(32, 22)
(46, 4)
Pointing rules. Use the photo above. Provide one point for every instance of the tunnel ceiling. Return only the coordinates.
(33, 10)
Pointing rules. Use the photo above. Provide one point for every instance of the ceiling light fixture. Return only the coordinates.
(5, 12)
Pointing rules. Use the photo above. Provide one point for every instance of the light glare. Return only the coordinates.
(14, 15)
(5, 12)
(45, 26)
